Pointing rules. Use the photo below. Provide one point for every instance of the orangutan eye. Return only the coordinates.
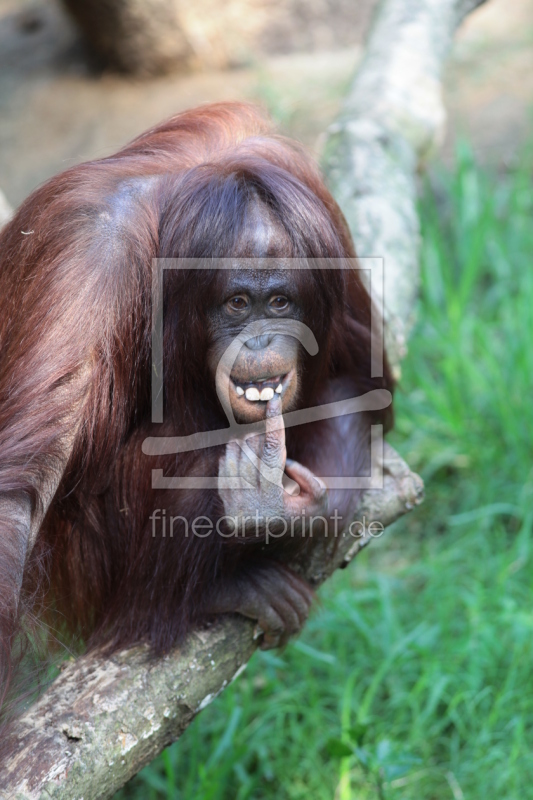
(238, 303)
(279, 303)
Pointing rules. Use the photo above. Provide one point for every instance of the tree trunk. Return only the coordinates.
(143, 37)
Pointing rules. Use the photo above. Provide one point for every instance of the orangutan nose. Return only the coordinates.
(260, 342)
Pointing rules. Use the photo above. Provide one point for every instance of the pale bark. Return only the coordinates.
(6, 211)
(392, 120)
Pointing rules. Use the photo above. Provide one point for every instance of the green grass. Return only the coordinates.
(415, 677)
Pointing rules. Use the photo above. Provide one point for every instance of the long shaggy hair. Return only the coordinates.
(75, 282)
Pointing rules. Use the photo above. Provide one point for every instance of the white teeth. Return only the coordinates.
(267, 394)
(252, 394)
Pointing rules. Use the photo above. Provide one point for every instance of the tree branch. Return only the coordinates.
(6, 212)
(392, 120)
(105, 718)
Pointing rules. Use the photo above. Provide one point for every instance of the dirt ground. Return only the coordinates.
(56, 111)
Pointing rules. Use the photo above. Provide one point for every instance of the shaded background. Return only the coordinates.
(55, 110)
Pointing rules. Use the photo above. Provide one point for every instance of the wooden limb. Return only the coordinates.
(6, 212)
(392, 120)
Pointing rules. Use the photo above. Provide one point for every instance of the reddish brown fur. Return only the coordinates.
(77, 291)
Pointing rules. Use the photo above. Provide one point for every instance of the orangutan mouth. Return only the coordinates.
(261, 389)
